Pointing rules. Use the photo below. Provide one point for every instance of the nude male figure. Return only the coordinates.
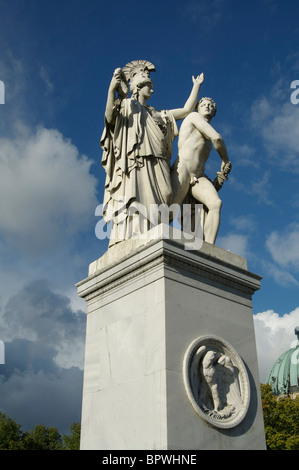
(196, 138)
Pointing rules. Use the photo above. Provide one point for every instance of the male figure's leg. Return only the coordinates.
(180, 178)
(204, 192)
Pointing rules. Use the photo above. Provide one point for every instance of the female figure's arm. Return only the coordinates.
(111, 98)
(181, 113)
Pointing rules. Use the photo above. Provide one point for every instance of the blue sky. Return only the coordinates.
(56, 62)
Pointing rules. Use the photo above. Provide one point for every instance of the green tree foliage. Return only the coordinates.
(10, 433)
(72, 441)
(281, 419)
(40, 438)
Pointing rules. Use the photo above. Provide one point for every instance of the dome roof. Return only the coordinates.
(284, 375)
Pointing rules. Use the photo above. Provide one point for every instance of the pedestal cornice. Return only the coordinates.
(210, 263)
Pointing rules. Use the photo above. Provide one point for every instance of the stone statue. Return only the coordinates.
(216, 381)
(219, 386)
(137, 147)
(196, 137)
(219, 374)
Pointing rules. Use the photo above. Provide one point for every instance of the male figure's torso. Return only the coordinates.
(193, 147)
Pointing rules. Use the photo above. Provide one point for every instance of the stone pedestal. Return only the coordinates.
(148, 304)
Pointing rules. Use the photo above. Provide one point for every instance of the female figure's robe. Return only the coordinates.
(137, 150)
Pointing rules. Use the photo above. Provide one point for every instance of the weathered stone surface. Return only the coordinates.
(144, 309)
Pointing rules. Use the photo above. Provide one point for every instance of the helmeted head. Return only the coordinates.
(138, 82)
(137, 73)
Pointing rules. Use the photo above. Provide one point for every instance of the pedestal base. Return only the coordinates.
(145, 310)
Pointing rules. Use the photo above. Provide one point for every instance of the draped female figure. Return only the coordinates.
(137, 148)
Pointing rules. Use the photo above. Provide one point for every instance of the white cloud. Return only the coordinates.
(243, 154)
(274, 336)
(282, 133)
(281, 276)
(284, 246)
(46, 190)
(244, 222)
(260, 188)
(14, 75)
(47, 202)
(261, 111)
(46, 79)
(236, 243)
(32, 395)
(41, 315)
(276, 120)
(209, 13)
(293, 60)
(44, 353)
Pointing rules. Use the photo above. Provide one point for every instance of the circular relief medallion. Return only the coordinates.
(216, 381)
